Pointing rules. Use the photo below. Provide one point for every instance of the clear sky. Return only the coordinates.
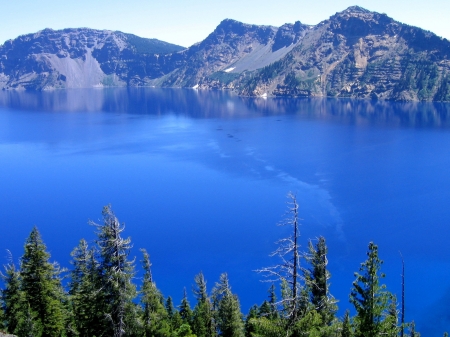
(186, 22)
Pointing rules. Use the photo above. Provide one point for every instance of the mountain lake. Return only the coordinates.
(200, 179)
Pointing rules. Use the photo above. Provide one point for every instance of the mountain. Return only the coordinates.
(355, 53)
(358, 53)
(76, 58)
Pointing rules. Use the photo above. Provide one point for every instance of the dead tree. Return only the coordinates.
(403, 298)
(288, 271)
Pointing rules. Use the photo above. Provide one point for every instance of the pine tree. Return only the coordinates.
(317, 279)
(202, 324)
(371, 300)
(228, 315)
(273, 303)
(42, 288)
(391, 327)
(116, 273)
(249, 327)
(86, 299)
(155, 316)
(264, 310)
(169, 307)
(12, 298)
(185, 309)
(346, 325)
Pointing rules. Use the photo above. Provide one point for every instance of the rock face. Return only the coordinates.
(355, 53)
(78, 58)
(362, 54)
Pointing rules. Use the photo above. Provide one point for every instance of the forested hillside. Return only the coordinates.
(100, 296)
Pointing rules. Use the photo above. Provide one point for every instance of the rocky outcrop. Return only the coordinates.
(79, 58)
(360, 54)
(355, 53)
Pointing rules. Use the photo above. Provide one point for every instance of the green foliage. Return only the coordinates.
(422, 77)
(252, 314)
(310, 324)
(13, 301)
(86, 299)
(185, 309)
(443, 92)
(42, 289)
(184, 331)
(101, 296)
(264, 327)
(155, 316)
(228, 315)
(370, 298)
(202, 324)
(151, 46)
(347, 329)
(317, 278)
(116, 272)
(169, 307)
(265, 310)
(224, 77)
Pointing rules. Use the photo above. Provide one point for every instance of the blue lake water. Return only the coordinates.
(200, 179)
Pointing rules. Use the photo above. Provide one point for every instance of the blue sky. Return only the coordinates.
(186, 22)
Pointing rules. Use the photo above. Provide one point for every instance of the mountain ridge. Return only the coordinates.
(355, 53)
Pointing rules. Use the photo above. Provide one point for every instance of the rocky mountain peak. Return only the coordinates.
(355, 53)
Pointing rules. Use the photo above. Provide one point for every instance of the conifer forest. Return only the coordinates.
(100, 297)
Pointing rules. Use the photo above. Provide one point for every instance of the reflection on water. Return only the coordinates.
(222, 104)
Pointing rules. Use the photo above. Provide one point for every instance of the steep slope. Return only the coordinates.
(73, 58)
(355, 53)
(233, 47)
(363, 54)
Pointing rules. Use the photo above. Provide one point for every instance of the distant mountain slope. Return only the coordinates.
(358, 53)
(355, 53)
(73, 58)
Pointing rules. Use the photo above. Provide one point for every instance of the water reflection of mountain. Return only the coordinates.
(222, 104)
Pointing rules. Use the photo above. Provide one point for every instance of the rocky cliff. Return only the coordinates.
(358, 53)
(79, 58)
(355, 53)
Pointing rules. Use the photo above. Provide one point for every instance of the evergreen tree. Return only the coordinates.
(371, 300)
(155, 316)
(176, 321)
(12, 298)
(184, 331)
(317, 278)
(185, 309)
(169, 307)
(202, 324)
(84, 286)
(228, 315)
(265, 310)
(27, 325)
(273, 303)
(249, 327)
(116, 272)
(391, 327)
(347, 330)
(42, 288)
